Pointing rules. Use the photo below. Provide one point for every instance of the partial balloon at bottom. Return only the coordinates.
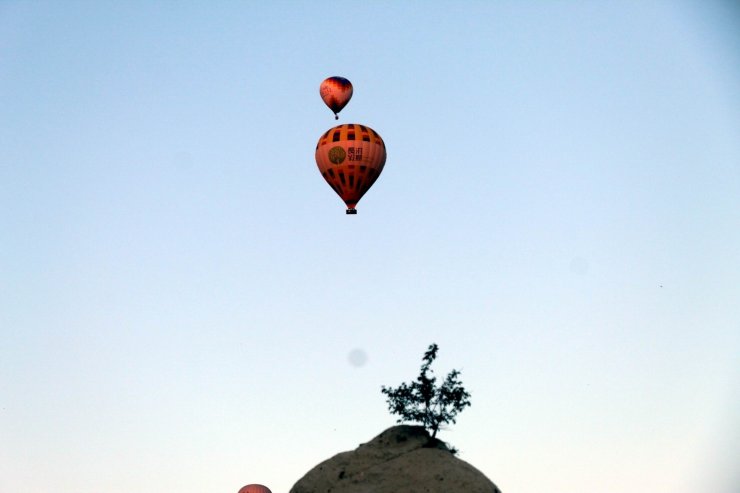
(255, 488)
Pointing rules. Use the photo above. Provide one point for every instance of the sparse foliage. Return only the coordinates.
(422, 402)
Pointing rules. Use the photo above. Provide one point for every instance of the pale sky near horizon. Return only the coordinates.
(185, 306)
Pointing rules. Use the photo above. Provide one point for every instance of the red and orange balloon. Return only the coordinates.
(336, 93)
(255, 488)
(350, 158)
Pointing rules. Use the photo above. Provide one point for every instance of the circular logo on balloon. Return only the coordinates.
(337, 155)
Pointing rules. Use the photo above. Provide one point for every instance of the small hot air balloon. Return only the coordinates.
(336, 93)
(350, 158)
(255, 488)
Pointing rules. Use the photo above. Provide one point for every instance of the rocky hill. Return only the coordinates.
(402, 459)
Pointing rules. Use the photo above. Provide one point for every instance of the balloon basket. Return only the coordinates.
(351, 211)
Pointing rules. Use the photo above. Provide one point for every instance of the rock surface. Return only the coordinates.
(402, 459)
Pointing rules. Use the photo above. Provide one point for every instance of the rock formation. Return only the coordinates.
(402, 459)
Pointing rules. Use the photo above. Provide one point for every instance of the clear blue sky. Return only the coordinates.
(560, 211)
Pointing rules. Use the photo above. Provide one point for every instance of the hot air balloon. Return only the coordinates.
(255, 488)
(336, 93)
(350, 158)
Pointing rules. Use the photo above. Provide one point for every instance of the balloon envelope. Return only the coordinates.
(350, 158)
(255, 488)
(336, 93)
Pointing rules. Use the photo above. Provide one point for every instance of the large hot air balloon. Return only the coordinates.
(336, 93)
(255, 488)
(350, 158)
